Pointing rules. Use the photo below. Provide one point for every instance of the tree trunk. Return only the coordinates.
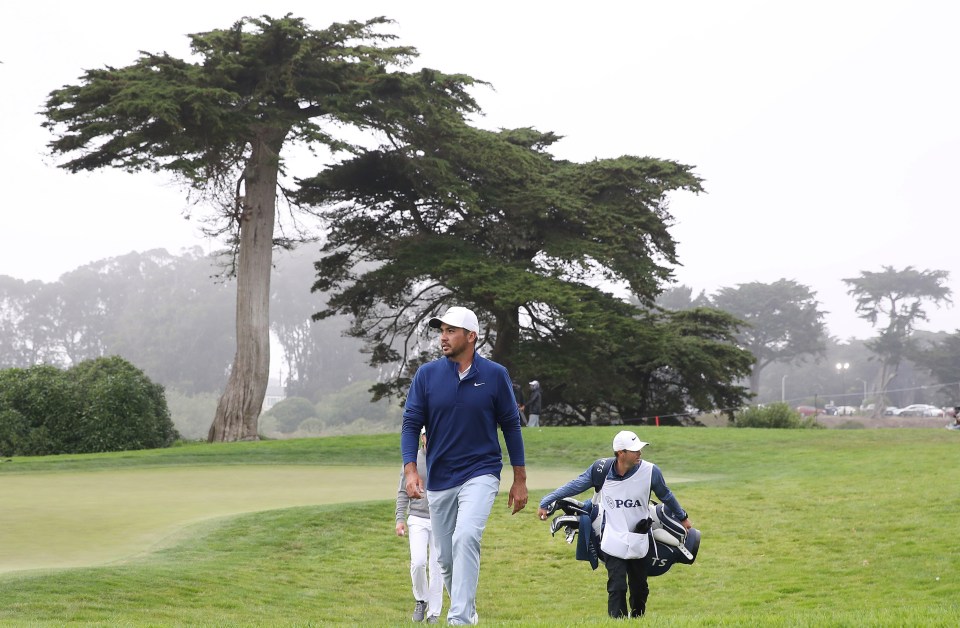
(508, 338)
(887, 372)
(242, 399)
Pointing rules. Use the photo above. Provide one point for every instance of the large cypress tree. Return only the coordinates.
(453, 214)
(221, 123)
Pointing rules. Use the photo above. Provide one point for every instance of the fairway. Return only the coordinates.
(800, 527)
(77, 519)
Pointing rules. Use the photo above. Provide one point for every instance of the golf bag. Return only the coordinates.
(670, 542)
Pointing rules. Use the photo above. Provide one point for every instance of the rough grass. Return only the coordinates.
(800, 528)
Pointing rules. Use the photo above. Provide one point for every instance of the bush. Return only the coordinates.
(106, 404)
(291, 412)
(352, 402)
(47, 399)
(122, 408)
(311, 427)
(775, 415)
(14, 428)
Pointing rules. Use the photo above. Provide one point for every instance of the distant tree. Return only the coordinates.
(22, 343)
(157, 310)
(76, 312)
(166, 316)
(899, 297)
(221, 123)
(681, 297)
(697, 363)
(320, 356)
(784, 322)
(942, 360)
(451, 214)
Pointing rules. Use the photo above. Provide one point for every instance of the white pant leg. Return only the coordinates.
(419, 530)
(533, 420)
(435, 601)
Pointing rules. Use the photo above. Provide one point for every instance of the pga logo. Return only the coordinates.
(611, 503)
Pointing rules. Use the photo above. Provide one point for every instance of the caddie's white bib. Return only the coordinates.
(624, 504)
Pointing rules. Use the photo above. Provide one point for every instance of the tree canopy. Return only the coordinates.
(899, 297)
(783, 322)
(452, 214)
(221, 123)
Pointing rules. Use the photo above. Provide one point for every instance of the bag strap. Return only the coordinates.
(598, 474)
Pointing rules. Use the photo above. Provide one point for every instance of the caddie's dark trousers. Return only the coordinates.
(619, 570)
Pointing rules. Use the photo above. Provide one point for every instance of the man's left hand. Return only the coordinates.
(518, 492)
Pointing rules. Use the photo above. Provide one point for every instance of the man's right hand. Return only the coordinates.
(412, 482)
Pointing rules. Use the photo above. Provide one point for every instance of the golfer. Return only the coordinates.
(623, 503)
(413, 520)
(462, 398)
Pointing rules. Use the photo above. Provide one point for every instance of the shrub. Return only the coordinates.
(48, 401)
(311, 427)
(352, 402)
(775, 415)
(14, 428)
(291, 412)
(122, 408)
(106, 404)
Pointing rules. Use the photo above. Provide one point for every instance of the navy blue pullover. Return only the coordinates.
(461, 417)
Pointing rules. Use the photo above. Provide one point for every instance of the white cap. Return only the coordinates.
(458, 317)
(534, 383)
(627, 440)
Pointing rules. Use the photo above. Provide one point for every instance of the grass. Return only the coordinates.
(800, 528)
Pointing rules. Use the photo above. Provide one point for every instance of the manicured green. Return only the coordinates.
(800, 528)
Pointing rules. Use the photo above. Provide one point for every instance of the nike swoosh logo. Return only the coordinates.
(479, 383)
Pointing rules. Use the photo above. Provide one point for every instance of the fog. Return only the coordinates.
(826, 133)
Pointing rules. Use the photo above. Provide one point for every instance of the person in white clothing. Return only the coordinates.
(413, 520)
(623, 519)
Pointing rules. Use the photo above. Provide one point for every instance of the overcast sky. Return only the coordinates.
(827, 133)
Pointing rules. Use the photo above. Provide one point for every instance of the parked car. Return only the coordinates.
(920, 409)
(846, 410)
(891, 411)
(809, 411)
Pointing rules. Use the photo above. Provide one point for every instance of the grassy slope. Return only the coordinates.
(825, 527)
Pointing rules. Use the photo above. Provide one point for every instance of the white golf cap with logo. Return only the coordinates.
(627, 440)
(458, 317)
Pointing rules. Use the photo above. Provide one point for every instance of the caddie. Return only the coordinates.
(623, 518)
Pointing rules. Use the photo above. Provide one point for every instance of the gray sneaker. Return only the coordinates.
(433, 619)
(419, 610)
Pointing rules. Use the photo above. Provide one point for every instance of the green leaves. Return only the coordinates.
(197, 119)
(105, 404)
(451, 214)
